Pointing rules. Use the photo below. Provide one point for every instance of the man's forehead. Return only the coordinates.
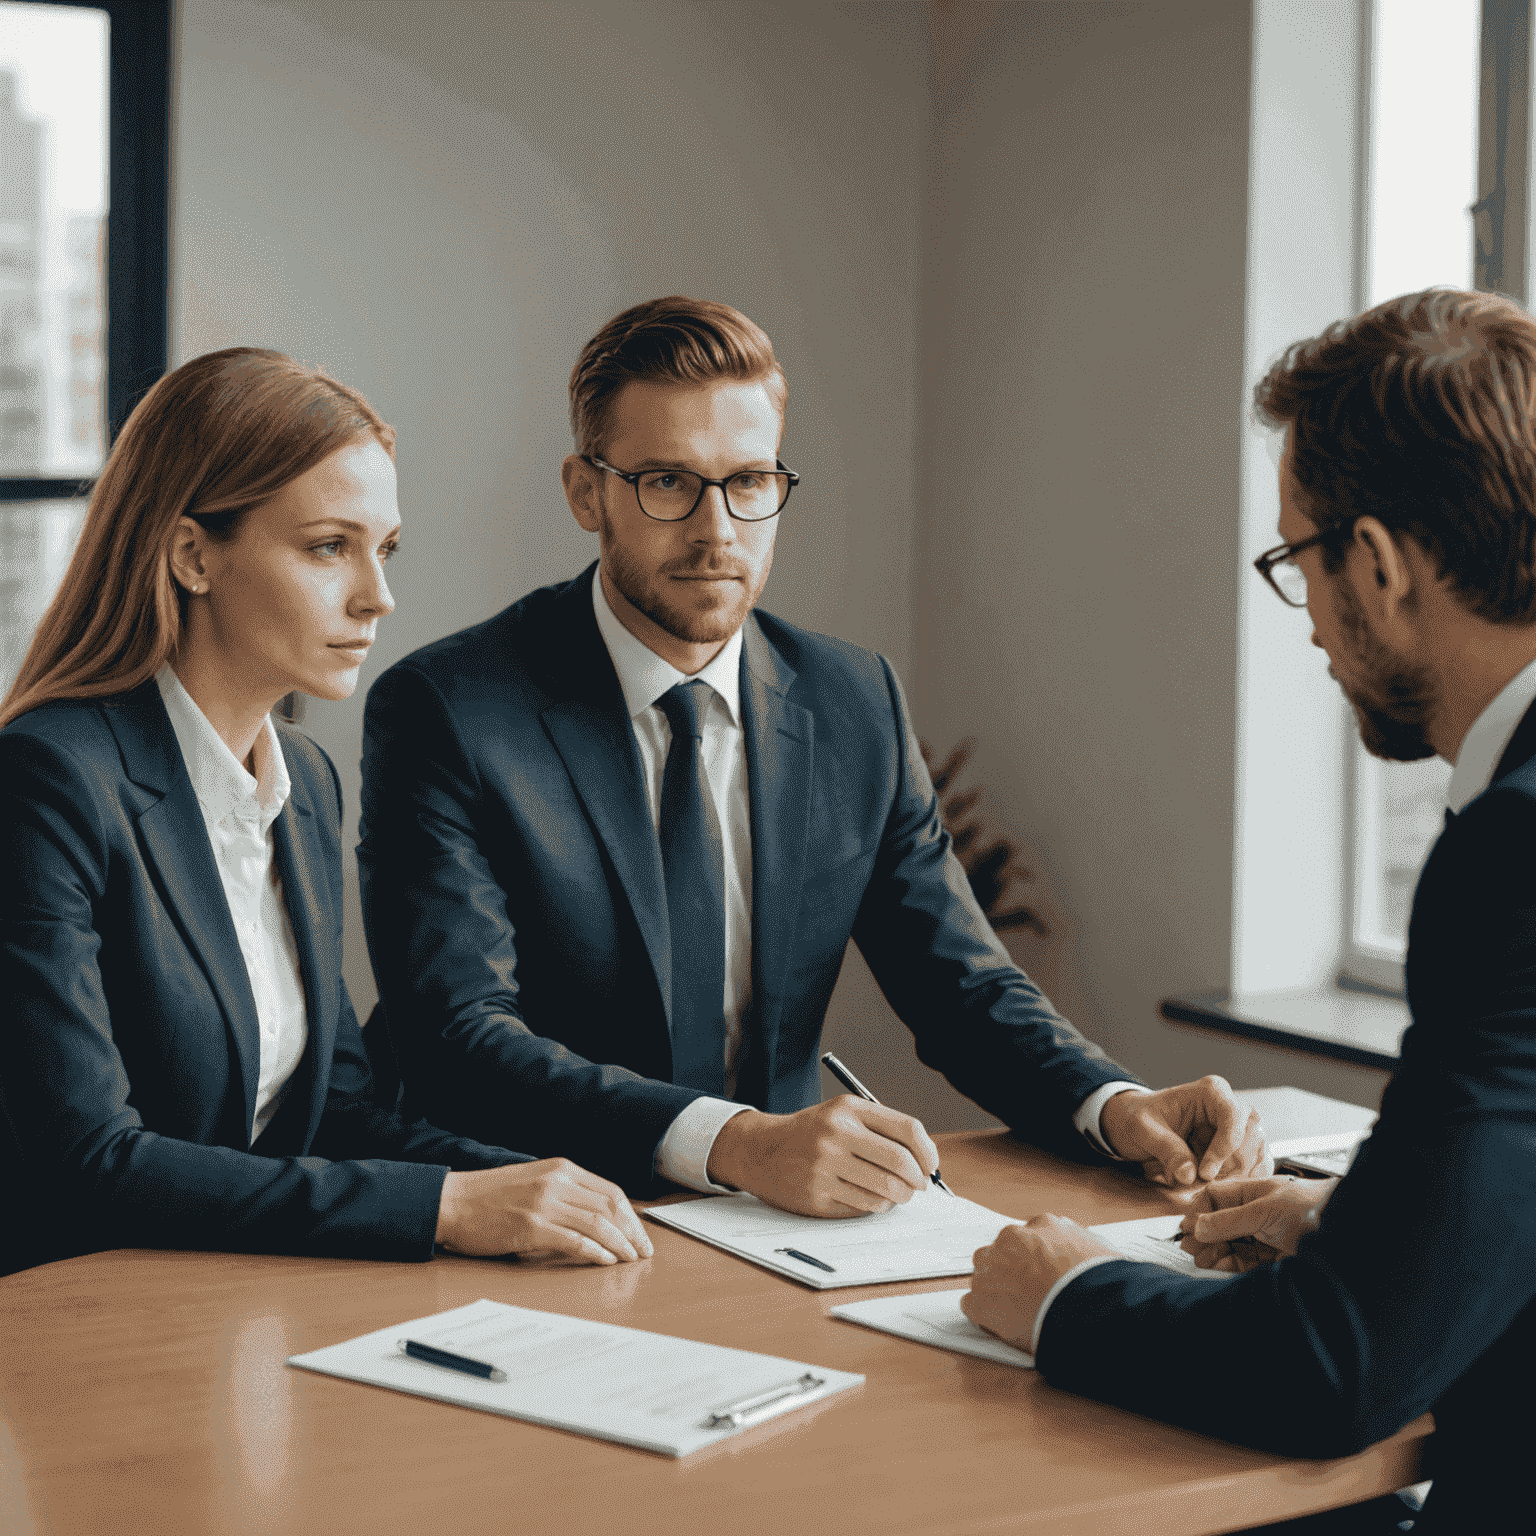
(662, 413)
(1294, 524)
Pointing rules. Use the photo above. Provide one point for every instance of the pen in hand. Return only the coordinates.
(853, 1085)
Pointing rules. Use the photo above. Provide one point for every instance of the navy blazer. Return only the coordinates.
(1418, 1291)
(130, 1051)
(517, 916)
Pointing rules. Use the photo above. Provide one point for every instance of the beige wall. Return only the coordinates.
(1000, 249)
(1078, 561)
(440, 203)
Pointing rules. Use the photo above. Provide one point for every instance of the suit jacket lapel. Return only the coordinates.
(590, 729)
(779, 741)
(176, 846)
(301, 868)
(1521, 748)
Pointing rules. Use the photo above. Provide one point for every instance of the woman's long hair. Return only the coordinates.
(217, 437)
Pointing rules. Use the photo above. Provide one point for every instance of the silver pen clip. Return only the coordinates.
(737, 1414)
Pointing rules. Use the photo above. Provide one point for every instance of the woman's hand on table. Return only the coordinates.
(549, 1206)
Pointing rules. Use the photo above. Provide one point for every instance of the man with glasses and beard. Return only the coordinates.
(1408, 509)
(616, 839)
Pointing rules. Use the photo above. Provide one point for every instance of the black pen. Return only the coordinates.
(805, 1258)
(853, 1085)
(450, 1361)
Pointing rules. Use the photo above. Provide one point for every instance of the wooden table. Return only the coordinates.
(147, 1392)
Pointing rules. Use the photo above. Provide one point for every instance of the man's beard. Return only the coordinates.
(686, 624)
(1393, 701)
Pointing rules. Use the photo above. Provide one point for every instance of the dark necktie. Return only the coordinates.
(693, 863)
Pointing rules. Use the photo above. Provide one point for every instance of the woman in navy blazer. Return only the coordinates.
(232, 553)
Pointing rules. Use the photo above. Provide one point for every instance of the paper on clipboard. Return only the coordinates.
(644, 1389)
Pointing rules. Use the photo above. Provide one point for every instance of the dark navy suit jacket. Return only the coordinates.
(1418, 1291)
(129, 1051)
(517, 917)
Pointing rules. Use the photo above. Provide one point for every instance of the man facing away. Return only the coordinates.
(615, 841)
(1408, 510)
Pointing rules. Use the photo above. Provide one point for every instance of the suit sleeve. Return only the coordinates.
(1421, 1274)
(445, 957)
(976, 1017)
(353, 1125)
(96, 1176)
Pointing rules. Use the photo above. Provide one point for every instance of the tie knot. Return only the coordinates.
(684, 707)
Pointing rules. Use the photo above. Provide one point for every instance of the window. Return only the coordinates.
(84, 157)
(1420, 187)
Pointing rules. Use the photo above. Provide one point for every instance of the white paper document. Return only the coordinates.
(1153, 1240)
(935, 1317)
(933, 1234)
(1297, 1123)
(645, 1389)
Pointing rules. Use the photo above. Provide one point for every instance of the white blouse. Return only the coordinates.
(238, 812)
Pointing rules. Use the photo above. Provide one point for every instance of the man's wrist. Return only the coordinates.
(1089, 1116)
(728, 1162)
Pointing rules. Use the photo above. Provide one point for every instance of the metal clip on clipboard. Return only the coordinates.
(734, 1415)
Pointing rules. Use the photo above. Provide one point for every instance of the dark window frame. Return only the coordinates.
(138, 218)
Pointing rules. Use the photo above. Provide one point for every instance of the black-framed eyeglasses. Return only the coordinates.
(670, 495)
(1279, 568)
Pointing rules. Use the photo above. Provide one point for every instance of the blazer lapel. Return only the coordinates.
(779, 740)
(301, 868)
(1521, 748)
(589, 727)
(175, 843)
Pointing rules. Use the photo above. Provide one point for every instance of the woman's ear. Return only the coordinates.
(189, 566)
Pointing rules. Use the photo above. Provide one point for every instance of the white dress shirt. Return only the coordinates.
(1483, 745)
(238, 812)
(683, 1155)
(644, 677)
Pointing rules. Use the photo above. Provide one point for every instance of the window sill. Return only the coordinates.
(1359, 1027)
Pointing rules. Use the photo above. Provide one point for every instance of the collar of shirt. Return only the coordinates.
(644, 676)
(1484, 744)
(221, 784)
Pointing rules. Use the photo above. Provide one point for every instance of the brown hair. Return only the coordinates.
(1419, 412)
(217, 437)
(674, 340)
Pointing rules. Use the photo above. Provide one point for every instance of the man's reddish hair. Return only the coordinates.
(675, 340)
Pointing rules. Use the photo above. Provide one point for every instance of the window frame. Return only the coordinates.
(1500, 263)
(138, 220)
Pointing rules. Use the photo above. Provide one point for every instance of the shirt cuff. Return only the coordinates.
(683, 1155)
(1087, 1117)
(1080, 1268)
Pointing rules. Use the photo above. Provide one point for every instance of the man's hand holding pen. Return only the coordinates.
(1240, 1224)
(845, 1157)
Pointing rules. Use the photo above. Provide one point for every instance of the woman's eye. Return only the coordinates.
(388, 551)
(330, 547)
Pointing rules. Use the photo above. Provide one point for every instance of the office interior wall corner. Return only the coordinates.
(1082, 319)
